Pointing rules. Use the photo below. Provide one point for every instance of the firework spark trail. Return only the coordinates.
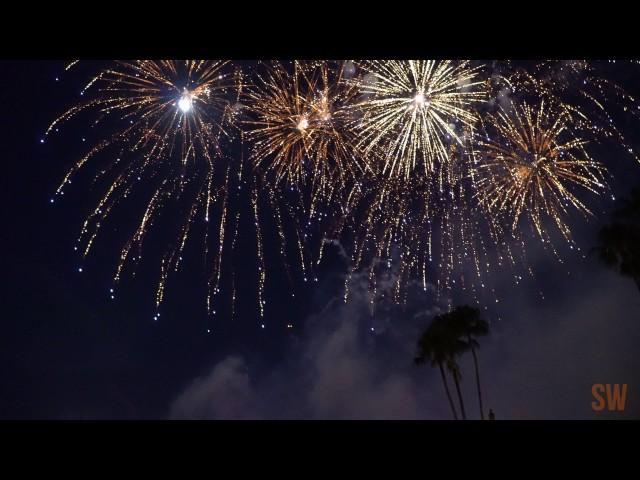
(425, 227)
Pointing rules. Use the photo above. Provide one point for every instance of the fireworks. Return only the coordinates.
(413, 110)
(423, 170)
(580, 89)
(166, 119)
(169, 122)
(299, 128)
(426, 231)
(531, 166)
(162, 105)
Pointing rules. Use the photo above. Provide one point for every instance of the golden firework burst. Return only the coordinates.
(531, 166)
(299, 127)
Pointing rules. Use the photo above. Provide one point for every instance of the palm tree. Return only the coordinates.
(469, 324)
(434, 346)
(619, 241)
(453, 367)
(449, 335)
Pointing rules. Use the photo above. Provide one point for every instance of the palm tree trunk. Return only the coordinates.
(446, 388)
(455, 379)
(475, 363)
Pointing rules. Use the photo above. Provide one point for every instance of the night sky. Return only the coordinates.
(67, 351)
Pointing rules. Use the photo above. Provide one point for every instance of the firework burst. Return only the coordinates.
(412, 111)
(532, 165)
(167, 120)
(299, 128)
(163, 106)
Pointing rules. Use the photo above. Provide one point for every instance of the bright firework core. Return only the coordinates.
(186, 102)
(303, 124)
(420, 100)
(522, 172)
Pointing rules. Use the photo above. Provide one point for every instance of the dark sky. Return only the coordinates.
(68, 351)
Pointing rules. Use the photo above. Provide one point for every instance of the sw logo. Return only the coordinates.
(612, 396)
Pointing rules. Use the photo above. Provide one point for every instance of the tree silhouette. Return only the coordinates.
(619, 241)
(434, 345)
(448, 336)
(469, 325)
(454, 368)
